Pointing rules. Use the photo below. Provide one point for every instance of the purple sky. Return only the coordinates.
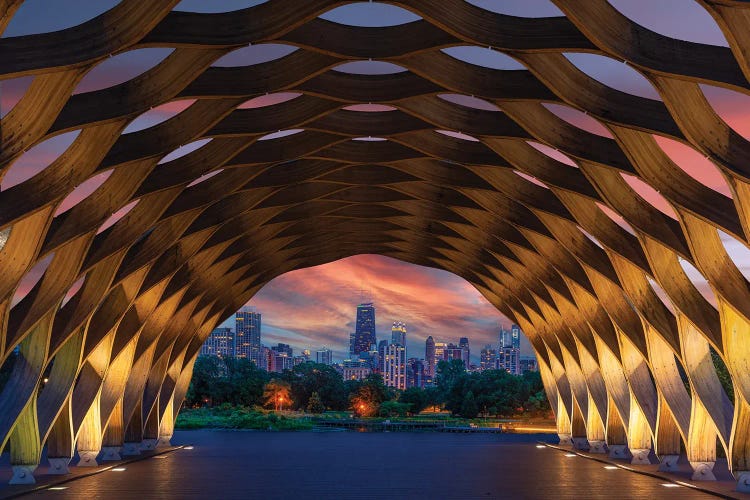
(315, 307)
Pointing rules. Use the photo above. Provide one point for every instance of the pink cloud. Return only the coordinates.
(316, 306)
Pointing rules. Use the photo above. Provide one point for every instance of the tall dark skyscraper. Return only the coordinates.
(463, 343)
(247, 336)
(515, 336)
(364, 332)
(429, 359)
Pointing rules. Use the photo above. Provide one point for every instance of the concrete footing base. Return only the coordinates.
(88, 458)
(597, 446)
(743, 481)
(130, 449)
(618, 451)
(111, 453)
(580, 443)
(565, 439)
(164, 442)
(668, 463)
(23, 474)
(703, 471)
(640, 456)
(149, 444)
(59, 465)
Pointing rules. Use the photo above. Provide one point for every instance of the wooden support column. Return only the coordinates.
(643, 402)
(711, 411)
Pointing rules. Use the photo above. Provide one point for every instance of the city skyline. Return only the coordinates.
(316, 307)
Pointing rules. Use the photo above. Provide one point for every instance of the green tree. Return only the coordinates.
(469, 406)
(448, 372)
(315, 404)
(277, 394)
(206, 372)
(366, 398)
(415, 397)
(393, 409)
(723, 373)
(307, 378)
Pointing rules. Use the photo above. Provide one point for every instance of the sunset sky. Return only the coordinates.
(315, 307)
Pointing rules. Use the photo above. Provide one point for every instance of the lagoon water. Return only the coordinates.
(352, 465)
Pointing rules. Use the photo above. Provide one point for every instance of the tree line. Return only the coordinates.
(316, 388)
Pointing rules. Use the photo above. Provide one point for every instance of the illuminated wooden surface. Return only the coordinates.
(185, 257)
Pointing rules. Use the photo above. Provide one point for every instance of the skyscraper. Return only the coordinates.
(247, 336)
(382, 346)
(440, 348)
(509, 360)
(324, 356)
(463, 343)
(415, 376)
(528, 364)
(515, 336)
(451, 351)
(488, 358)
(394, 366)
(219, 343)
(509, 352)
(364, 333)
(429, 359)
(398, 333)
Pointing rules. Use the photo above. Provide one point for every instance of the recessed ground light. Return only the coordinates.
(540, 446)
(571, 455)
(611, 467)
(670, 485)
(160, 456)
(188, 447)
(57, 488)
(118, 469)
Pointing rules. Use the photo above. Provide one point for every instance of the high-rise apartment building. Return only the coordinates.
(283, 348)
(429, 360)
(509, 360)
(355, 372)
(394, 366)
(415, 373)
(509, 351)
(488, 358)
(398, 333)
(528, 364)
(281, 358)
(382, 345)
(220, 342)
(324, 356)
(364, 333)
(247, 336)
(452, 351)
